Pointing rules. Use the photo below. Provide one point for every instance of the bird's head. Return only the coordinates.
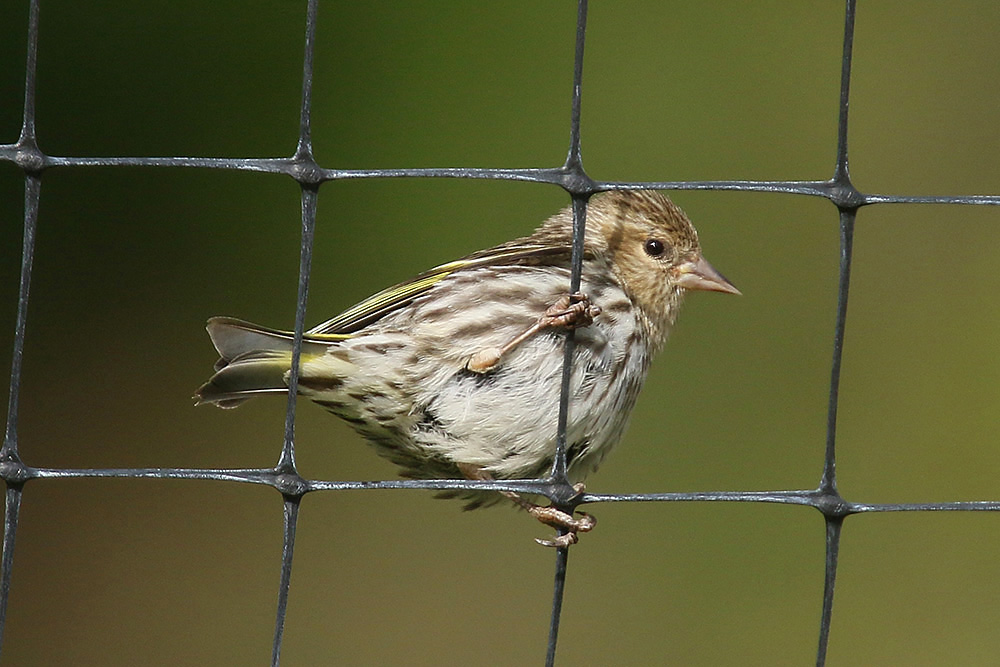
(652, 249)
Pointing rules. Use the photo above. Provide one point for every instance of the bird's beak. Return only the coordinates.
(698, 274)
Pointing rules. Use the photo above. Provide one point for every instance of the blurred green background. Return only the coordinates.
(130, 263)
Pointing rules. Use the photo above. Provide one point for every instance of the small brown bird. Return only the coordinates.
(457, 372)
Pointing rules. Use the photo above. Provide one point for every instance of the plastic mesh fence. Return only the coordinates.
(570, 176)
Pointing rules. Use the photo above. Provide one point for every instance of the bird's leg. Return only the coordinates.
(550, 516)
(570, 311)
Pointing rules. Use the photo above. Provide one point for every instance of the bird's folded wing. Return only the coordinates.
(376, 306)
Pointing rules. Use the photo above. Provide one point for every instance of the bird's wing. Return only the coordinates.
(376, 306)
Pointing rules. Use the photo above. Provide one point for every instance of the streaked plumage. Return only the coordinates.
(395, 365)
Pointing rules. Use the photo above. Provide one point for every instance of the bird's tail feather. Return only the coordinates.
(253, 360)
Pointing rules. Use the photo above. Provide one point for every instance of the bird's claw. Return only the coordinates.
(571, 311)
(556, 518)
(559, 542)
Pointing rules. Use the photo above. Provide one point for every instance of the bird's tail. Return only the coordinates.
(253, 360)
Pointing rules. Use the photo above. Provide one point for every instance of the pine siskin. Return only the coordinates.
(457, 372)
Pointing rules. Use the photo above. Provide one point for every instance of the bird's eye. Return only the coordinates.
(654, 247)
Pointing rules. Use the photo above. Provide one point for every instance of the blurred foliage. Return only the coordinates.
(130, 262)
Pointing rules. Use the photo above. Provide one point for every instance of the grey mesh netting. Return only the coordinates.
(570, 176)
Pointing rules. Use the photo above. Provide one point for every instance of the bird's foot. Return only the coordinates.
(550, 516)
(556, 518)
(569, 526)
(570, 311)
